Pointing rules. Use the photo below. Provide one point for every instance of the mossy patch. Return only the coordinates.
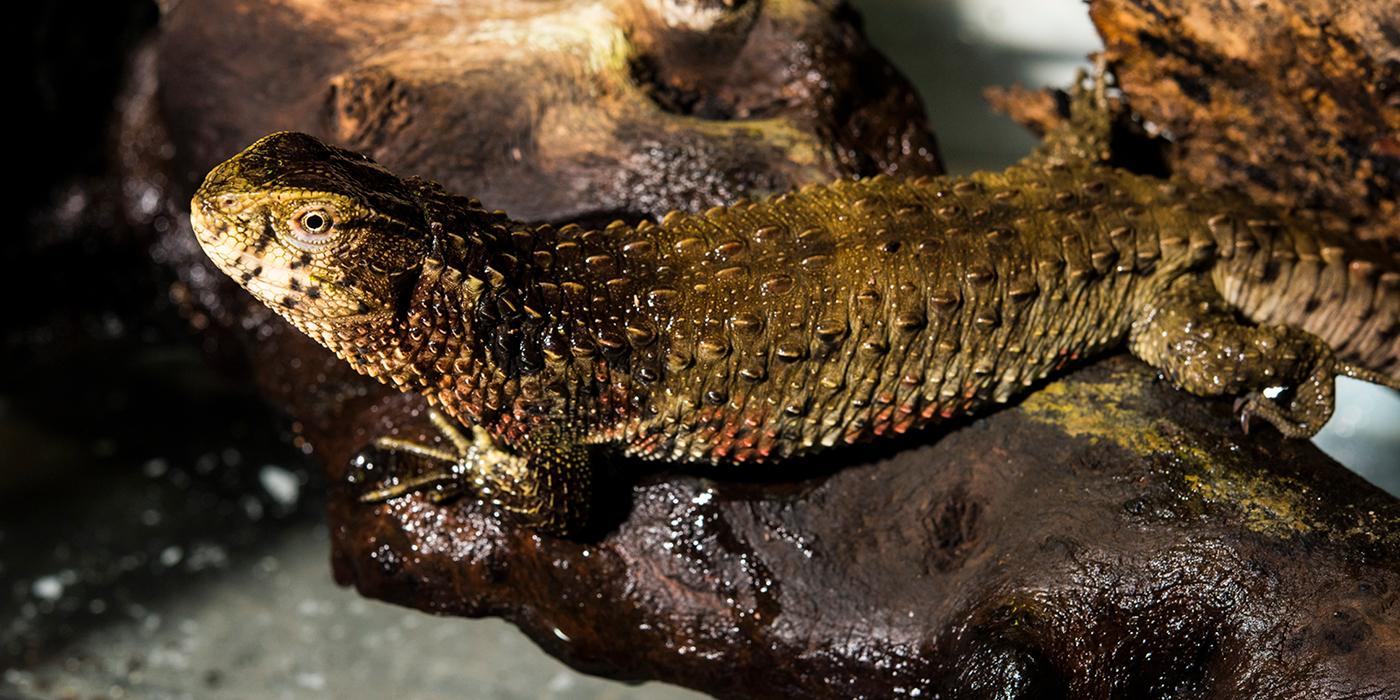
(1205, 469)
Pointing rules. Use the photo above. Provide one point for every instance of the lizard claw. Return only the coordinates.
(1293, 421)
(1244, 406)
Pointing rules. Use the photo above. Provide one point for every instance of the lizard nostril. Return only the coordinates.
(226, 202)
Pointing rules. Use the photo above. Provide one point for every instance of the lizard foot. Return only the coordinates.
(546, 486)
(1308, 410)
(440, 474)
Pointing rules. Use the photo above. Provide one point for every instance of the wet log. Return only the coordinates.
(1107, 537)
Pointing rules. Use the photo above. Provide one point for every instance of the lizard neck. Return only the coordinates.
(426, 345)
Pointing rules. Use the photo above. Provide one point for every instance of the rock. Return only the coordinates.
(549, 110)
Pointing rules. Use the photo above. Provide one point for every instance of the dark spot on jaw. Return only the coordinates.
(301, 262)
(289, 302)
(245, 277)
(257, 271)
(313, 293)
(266, 238)
(294, 284)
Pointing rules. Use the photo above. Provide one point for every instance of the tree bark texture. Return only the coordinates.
(1294, 102)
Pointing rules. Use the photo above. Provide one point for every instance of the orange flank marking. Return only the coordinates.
(766, 445)
(904, 423)
(647, 445)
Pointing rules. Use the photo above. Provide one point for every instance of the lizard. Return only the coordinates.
(767, 329)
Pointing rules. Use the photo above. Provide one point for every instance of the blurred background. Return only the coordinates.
(163, 533)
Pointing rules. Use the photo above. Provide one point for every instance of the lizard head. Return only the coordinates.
(318, 233)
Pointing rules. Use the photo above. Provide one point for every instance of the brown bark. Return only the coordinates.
(1294, 102)
(1109, 537)
(549, 110)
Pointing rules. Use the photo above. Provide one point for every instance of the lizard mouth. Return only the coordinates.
(218, 234)
(232, 246)
(211, 229)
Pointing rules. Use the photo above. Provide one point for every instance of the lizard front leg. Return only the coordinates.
(1189, 333)
(546, 483)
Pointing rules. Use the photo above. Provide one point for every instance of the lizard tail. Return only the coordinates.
(1345, 292)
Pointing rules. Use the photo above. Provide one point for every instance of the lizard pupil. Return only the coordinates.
(314, 223)
(311, 228)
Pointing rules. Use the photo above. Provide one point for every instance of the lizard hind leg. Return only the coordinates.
(1192, 336)
(547, 485)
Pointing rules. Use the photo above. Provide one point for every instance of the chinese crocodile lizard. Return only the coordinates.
(761, 330)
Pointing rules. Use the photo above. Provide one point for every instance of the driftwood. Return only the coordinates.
(1108, 537)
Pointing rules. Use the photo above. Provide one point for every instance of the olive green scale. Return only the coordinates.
(852, 309)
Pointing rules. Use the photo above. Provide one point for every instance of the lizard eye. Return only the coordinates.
(313, 225)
